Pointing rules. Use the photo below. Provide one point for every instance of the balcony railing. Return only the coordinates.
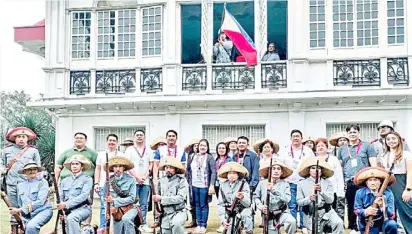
(274, 75)
(233, 77)
(151, 80)
(398, 71)
(115, 81)
(79, 82)
(194, 77)
(357, 73)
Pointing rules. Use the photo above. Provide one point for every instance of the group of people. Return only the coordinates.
(309, 179)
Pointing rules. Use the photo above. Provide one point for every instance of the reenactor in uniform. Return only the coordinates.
(279, 198)
(327, 217)
(122, 196)
(371, 179)
(75, 192)
(33, 199)
(14, 157)
(229, 191)
(172, 194)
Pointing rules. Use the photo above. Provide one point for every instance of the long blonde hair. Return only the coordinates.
(399, 148)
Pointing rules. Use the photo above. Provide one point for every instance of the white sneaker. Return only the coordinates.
(220, 229)
(202, 230)
(354, 232)
(145, 229)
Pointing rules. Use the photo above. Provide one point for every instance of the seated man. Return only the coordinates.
(122, 196)
(229, 191)
(75, 192)
(383, 216)
(279, 197)
(33, 199)
(172, 192)
(306, 195)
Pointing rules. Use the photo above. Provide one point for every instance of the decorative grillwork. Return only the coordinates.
(398, 71)
(233, 77)
(121, 81)
(151, 80)
(274, 75)
(194, 78)
(79, 82)
(357, 73)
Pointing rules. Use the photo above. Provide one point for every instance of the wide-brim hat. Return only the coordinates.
(232, 167)
(127, 141)
(227, 140)
(336, 136)
(264, 169)
(120, 161)
(156, 141)
(372, 172)
(308, 138)
(258, 143)
(327, 171)
(78, 158)
(192, 142)
(172, 162)
(11, 136)
(31, 165)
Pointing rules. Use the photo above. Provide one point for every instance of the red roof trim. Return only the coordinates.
(34, 32)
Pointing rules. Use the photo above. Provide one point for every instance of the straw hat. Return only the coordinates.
(31, 165)
(258, 143)
(127, 141)
(336, 136)
(173, 162)
(121, 161)
(229, 139)
(192, 142)
(308, 138)
(264, 169)
(156, 141)
(232, 166)
(327, 171)
(363, 175)
(11, 136)
(78, 158)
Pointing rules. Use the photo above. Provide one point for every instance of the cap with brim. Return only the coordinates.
(156, 142)
(335, 138)
(120, 161)
(127, 141)
(304, 170)
(11, 136)
(258, 143)
(371, 172)
(31, 165)
(264, 169)
(229, 139)
(172, 162)
(308, 138)
(232, 167)
(78, 158)
(192, 142)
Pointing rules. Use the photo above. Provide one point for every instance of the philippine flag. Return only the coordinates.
(240, 38)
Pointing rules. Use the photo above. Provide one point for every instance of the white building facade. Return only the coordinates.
(117, 66)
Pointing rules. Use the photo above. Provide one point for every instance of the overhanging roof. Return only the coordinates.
(31, 38)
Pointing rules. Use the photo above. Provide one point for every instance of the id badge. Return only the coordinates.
(141, 162)
(295, 165)
(199, 174)
(354, 162)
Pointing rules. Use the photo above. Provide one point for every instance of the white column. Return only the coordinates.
(170, 37)
(384, 73)
(64, 134)
(137, 92)
(61, 25)
(92, 82)
(298, 28)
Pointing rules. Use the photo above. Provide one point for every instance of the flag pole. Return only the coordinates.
(223, 17)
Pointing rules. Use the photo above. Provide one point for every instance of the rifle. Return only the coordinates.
(108, 216)
(266, 216)
(60, 212)
(231, 211)
(380, 194)
(315, 204)
(157, 212)
(16, 216)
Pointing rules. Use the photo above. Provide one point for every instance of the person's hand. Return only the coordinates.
(14, 211)
(379, 201)
(61, 206)
(318, 187)
(217, 44)
(265, 209)
(371, 211)
(157, 198)
(139, 180)
(211, 190)
(240, 195)
(406, 196)
(96, 188)
(269, 186)
(109, 199)
(225, 224)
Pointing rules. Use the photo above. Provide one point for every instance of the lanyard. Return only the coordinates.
(357, 149)
(108, 153)
(168, 151)
(198, 162)
(237, 158)
(293, 155)
(141, 155)
(221, 162)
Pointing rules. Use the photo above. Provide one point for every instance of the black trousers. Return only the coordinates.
(350, 194)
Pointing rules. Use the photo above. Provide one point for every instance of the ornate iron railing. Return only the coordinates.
(115, 81)
(233, 77)
(274, 75)
(79, 82)
(357, 73)
(194, 78)
(151, 80)
(398, 71)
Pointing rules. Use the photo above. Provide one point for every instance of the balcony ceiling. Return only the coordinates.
(31, 38)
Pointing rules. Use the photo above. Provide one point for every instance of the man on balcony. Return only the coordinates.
(222, 50)
(271, 54)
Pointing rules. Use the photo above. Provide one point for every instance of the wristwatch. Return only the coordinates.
(408, 189)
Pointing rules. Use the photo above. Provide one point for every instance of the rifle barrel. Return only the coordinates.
(60, 212)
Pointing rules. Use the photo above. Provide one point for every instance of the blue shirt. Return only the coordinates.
(33, 192)
(165, 151)
(365, 198)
